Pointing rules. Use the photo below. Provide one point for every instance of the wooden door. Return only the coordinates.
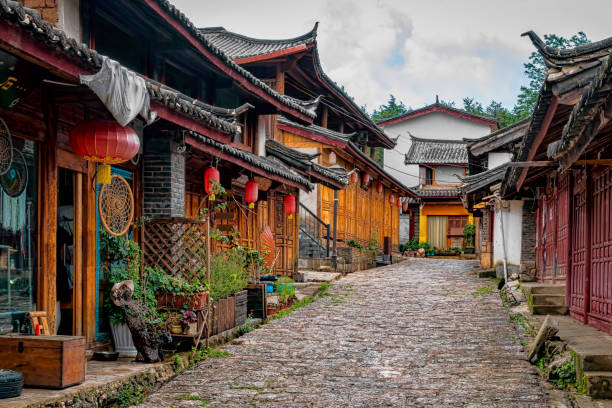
(550, 234)
(284, 234)
(579, 245)
(600, 282)
(563, 219)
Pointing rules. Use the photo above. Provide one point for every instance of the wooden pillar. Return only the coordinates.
(47, 291)
(280, 79)
(89, 254)
(570, 231)
(324, 114)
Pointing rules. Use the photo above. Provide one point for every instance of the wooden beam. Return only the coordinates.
(280, 79)
(542, 163)
(550, 113)
(324, 115)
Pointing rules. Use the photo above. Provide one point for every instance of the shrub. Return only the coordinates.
(228, 274)
(285, 289)
(469, 232)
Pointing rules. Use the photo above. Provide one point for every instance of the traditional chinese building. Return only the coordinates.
(342, 135)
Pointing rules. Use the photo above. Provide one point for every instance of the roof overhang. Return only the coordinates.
(436, 108)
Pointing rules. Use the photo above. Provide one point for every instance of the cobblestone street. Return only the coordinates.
(419, 333)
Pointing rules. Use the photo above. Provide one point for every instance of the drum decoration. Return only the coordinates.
(6, 147)
(104, 142)
(15, 180)
(116, 206)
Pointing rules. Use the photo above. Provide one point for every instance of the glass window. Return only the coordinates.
(18, 237)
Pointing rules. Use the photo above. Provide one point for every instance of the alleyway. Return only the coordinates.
(420, 333)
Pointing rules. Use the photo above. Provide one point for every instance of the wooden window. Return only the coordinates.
(429, 175)
(456, 224)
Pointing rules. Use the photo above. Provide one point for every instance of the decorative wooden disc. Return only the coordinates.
(268, 244)
(15, 180)
(116, 206)
(6, 148)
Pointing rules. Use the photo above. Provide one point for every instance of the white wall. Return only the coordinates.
(446, 174)
(496, 159)
(404, 228)
(512, 212)
(435, 125)
(69, 17)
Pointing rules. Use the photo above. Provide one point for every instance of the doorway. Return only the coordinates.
(69, 258)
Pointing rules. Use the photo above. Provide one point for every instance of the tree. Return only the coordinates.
(391, 109)
(535, 70)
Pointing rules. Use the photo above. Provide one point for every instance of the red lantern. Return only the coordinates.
(391, 199)
(366, 179)
(399, 202)
(250, 193)
(379, 188)
(211, 181)
(105, 142)
(354, 177)
(405, 206)
(290, 205)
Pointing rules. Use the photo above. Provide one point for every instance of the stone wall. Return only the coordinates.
(164, 179)
(529, 231)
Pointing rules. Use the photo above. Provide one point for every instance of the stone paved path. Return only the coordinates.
(420, 333)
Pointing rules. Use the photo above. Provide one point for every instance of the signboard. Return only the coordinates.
(14, 80)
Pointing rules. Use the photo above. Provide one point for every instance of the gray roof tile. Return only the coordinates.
(436, 151)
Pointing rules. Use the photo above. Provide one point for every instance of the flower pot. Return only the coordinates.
(469, 250)
(271, 310)
(199, 300)
(122, 339)
(176, 329)
(191, 329)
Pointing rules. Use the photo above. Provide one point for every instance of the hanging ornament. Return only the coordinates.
(366, 179)
(290, 205)
(354, 177)
(6, 148)
(250, 193)
(379, 188)
(399, 202)
(391, 199)
(15, 180)
(116, 206)
(268, 244)
(104, 142)
(405, 206)
(211, 181)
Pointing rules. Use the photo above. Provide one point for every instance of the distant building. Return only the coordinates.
(431, 155)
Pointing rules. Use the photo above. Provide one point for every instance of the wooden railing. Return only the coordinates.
(176, 245)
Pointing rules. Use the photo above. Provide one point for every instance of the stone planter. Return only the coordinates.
(122, 339)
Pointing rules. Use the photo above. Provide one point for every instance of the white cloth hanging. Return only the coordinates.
(13, 212)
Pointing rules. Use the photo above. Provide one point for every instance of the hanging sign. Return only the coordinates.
(14, 80)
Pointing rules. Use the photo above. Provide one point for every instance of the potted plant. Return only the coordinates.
(285, 288)
(469, 233)
(189, 322)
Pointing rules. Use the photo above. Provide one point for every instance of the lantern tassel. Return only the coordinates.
(212, 197)
(104, 174)
(251, 205)
(290, 216)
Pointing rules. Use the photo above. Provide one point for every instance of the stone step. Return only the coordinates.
(547, 289)
(596, 362)
(548, 300)
(599, 384)
(547, 309)
(486, 273)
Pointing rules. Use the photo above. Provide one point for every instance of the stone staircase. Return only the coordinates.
(545, 298)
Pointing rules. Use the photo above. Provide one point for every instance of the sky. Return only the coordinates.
(414, 50)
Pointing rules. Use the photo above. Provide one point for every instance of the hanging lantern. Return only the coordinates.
(290, 205)
(391, 199)
(211, 181)
(366, 179)
(405, 206)
(379, 188)
(104, 142)
(399, 202)
(354, 177)
(250, 193)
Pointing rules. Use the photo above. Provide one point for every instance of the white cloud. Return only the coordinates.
(450, 48)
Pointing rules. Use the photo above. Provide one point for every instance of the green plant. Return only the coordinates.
(228, 273)
(285, 288)
(469, 232)
(564, 375)
(425, 245)
(374, 239)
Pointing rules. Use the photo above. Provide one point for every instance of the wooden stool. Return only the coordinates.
(40, 319)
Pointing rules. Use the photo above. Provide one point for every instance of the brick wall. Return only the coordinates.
(414, 227)
(484, 226)
(528, 231)
(48, 9)
(164, 179)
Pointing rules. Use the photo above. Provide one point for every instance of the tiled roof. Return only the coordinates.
(483, 179)
(332, 134)
(569, 70)
(267, 164)
(502, 138)
(238, 46)
(436, 151)
(302, 161)
(435, 192)
(436, 107)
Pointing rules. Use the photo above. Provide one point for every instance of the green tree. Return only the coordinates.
(390, 109)
(535, 70)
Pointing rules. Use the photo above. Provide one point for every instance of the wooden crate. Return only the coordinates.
(222, 317)
(256, 300)
(44, 361)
